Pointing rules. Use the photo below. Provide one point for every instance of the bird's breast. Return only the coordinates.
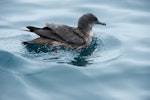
(89, 37)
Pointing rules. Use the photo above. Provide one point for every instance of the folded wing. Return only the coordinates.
(61, 33)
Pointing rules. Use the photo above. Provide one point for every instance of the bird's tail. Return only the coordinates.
(32, 29)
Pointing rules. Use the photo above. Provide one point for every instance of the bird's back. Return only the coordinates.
(66, 33)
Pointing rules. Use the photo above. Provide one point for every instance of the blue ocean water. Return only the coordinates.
(116, 66)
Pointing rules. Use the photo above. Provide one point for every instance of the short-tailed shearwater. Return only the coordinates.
(66, 36)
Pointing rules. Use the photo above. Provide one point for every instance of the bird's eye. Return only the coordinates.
(94, 19)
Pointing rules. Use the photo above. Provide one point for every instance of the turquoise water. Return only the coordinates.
(116, 66)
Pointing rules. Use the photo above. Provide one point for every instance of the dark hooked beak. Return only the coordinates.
(98, 22)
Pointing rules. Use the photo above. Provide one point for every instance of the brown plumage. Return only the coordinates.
(66, 36)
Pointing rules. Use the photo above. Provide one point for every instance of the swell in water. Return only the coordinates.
(103, 48)
(116, 66)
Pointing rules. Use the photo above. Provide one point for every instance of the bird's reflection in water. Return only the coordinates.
(36, 48)
(81, 60)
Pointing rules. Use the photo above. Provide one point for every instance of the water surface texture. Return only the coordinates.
(116, 66)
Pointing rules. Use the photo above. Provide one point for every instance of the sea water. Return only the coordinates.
(116, 66)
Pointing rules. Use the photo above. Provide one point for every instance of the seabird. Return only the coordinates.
(62, 35)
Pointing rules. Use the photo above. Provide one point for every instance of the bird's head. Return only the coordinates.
(88, 20)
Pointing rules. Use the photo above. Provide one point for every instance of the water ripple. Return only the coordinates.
(102, 49)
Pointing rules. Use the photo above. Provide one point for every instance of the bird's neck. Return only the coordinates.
(85, 28)
(87, 31)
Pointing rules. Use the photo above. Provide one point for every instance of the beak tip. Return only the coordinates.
(101, 23)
